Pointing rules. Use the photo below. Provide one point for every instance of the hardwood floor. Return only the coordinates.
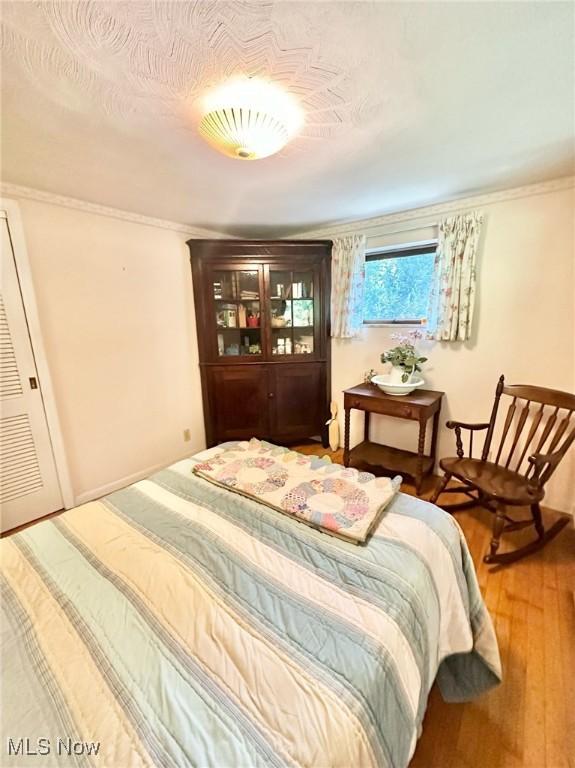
(529, 720)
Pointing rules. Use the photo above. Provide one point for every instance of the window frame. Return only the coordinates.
(395, 252)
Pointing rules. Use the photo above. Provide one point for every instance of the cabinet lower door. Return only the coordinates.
(239, 402)
(299, 403)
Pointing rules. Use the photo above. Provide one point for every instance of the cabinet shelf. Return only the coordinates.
(290, 298)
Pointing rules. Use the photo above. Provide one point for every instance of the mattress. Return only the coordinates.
(174, 623)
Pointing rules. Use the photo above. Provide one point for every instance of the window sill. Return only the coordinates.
(393, 323)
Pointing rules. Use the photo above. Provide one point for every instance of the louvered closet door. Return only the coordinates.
(28, 481)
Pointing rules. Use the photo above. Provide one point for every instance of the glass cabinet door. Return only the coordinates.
(291, 311)
(236, 294)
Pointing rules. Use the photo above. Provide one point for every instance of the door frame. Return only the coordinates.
(10, 210)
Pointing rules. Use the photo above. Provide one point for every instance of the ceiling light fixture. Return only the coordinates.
(248, 118)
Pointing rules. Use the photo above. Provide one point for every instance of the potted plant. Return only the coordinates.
(404, 360)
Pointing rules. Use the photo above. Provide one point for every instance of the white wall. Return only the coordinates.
(524, 326)
(116, 310)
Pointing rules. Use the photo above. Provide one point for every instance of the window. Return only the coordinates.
(398, 284)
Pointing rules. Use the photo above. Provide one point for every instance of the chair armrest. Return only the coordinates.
(543, 465)
(458, 426)
(463, 425)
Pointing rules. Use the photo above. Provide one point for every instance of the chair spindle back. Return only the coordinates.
(538, 420)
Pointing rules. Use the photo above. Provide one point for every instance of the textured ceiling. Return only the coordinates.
(406, 103)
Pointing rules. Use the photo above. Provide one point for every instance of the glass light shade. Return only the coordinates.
(249, 118)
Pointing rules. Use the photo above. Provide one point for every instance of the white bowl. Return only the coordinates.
(384, 383)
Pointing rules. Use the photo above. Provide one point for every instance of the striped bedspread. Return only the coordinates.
(174, 623)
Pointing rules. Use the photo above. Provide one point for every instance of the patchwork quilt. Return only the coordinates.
(176, 624)
(339, 500)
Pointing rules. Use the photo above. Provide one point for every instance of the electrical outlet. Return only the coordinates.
(187, 435)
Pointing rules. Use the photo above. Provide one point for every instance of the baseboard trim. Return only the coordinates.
(123, 482)
(97, 493)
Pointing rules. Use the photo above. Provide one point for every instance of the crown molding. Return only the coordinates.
(28, 193)
(432, 212)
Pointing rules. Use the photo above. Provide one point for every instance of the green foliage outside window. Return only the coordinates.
(398, 288)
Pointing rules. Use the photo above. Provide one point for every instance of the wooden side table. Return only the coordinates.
(418, 406)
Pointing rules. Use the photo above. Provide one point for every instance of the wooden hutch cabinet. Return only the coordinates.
(262, 317)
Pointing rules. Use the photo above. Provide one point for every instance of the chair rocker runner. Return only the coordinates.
(520, 470)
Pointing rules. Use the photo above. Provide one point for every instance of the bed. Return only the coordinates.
(175, 623)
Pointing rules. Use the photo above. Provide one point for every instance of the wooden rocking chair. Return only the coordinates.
(518, 478)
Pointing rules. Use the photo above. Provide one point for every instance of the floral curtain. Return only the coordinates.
(453, 293)
(347, 275)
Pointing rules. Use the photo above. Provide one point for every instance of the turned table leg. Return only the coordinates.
(434, 431)
(346, 438)
(420, 455)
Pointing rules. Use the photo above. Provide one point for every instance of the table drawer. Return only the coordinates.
(383, 407)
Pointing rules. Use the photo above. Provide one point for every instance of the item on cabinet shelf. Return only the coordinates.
(255, 349)
(242, 316)
(217, 290)
(303, 313)
(249, 295)
(288, 346)
(253, 320)
(279, 291)
(333, 427)
(302, 348)
(220, 344)
(227, 316)
(278, 318)
(305, 344)
(233, 349)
